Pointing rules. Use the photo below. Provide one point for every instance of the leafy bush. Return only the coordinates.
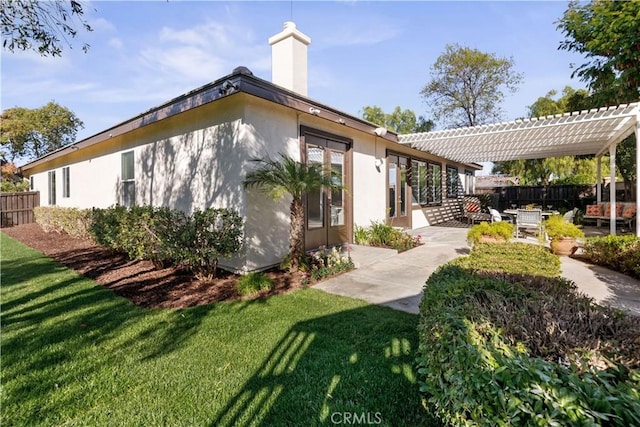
(326, 263)
(195, 242)
(517, 258)
(362, 235)
(8, 186)
(556, 228)
(384, 235)
(253, 283)
(620, 253)
(73, 221)
(204, 238)
(498, 230)
(503, 349)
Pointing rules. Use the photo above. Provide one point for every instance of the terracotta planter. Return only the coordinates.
(491, 239)
(564, 246)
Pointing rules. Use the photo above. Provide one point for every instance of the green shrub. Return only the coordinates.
(498, 230)
(384, 235)
(517, 258)
(73, 221)
(490, 343)
(252, 283)
(205, 237)
(556, 228)
(195, 242)
(9, 186)
(620, 253)
(362, 235)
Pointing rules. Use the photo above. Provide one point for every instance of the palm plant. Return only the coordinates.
(291, 177)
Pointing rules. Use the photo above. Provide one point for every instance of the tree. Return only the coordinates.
(399, 121)
(41, 25)
(293, 178)
(549, 170)
(31, 133)
(608, 34)
(467, 86)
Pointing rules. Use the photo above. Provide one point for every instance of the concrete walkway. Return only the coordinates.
(395, 280)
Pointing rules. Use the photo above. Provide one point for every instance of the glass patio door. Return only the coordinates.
(327, 211)
(398, 207)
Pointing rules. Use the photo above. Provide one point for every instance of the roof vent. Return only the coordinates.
(242, 70)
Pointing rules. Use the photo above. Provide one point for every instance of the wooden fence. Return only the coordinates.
(17, 208)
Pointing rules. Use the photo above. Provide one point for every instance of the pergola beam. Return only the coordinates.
(571, 134)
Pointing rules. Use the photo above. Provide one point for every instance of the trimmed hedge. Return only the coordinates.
(620, 253)
(73, 221)
(517, 258)
(195, 242)
(502, 349)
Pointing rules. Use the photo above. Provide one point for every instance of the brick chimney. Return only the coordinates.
(289, 58)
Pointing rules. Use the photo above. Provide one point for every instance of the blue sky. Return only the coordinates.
(362, 53)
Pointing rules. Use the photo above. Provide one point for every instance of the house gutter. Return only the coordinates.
(240, 81)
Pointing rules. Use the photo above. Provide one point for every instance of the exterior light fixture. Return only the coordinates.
(314, 111)
(380, 131)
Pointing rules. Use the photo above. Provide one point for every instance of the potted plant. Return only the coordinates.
(484, 232)
(563, 235)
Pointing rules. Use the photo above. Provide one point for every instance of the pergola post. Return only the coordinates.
(637, 173)
(612, 189)
(599, 179)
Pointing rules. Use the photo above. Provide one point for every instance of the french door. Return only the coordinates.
(398, 191)
(327, 213)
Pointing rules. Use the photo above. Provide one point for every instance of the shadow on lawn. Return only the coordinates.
(61, 320)
(371, 380)
(61, 337)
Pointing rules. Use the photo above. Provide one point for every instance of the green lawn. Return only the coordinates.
(73, 353)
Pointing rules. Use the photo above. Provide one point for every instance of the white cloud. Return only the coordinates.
(203, 53)
(361, 34)
(101, 25)
(115, 42)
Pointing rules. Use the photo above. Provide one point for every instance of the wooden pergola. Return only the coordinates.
(590, 132)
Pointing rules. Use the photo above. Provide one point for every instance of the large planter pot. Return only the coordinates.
(492, 239)
(564, 246)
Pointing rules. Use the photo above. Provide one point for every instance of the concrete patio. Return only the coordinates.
(395, 280)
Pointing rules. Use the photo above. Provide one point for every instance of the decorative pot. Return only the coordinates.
(491, 239)
(564, 246)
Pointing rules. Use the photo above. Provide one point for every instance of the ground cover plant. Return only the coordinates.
(74, 353)
(384, 235)
(620, 253)
(501, 348)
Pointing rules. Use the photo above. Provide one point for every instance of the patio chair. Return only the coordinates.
(528, 219)
(495, 215)
(570, 215)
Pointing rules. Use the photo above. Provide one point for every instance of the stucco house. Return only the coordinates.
(195, 150)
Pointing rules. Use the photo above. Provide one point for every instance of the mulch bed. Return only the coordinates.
(140, 281)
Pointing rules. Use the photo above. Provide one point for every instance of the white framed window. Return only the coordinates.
(128, 180)
(66, 183)
(51, 178)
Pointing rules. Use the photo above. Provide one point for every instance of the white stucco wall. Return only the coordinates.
(199, 159)
(369, 180)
